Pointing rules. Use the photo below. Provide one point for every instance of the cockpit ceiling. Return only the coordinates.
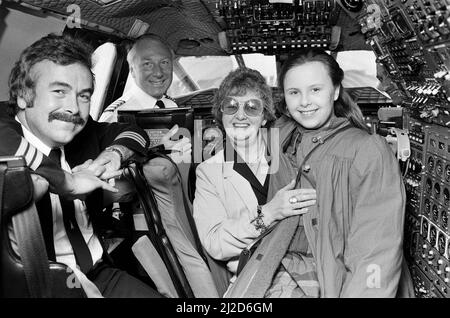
(185, 22)
(191, 27)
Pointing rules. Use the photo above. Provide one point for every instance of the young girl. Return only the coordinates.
(354, 235)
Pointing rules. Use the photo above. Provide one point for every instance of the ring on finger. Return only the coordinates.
(293, 200)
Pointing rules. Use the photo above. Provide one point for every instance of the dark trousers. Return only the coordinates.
(115, 283)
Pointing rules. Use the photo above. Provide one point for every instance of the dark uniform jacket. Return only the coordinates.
(88, 144)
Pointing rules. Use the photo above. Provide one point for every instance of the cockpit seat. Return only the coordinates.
(31, 274)
(171, 216)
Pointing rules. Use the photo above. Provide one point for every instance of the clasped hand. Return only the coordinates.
(288, 202)
(76, 185)
(90, 175)
(106, 166)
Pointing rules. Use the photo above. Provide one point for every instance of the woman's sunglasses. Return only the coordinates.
(252, 107)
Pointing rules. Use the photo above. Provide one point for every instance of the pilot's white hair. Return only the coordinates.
(148, 36)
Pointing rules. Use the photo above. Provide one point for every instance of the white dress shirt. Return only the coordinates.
(133, 99)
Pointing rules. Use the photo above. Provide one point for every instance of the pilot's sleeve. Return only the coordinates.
(169, 102)
(13, 144)
(128, 135)
(109, 115)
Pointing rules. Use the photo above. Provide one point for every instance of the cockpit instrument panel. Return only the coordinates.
(274, 28)
(411, 40)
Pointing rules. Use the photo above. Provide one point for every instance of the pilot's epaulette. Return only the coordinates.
(114, 105)
(171, 98)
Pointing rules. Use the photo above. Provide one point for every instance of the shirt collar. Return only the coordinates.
(140, 95)
(263, 138)
(35, 141)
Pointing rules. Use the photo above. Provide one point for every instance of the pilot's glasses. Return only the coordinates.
(252, 107)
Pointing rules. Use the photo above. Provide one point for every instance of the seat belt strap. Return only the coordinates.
(33, 254)
(192, 225)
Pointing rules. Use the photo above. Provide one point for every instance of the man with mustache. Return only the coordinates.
(75, 119)
(49, 124)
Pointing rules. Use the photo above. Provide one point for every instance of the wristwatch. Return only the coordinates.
(258, 222)
(116, 150)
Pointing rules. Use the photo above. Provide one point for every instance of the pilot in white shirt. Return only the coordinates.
(150, 60)
(134, 99)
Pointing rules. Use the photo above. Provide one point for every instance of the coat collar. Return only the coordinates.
(260, 190)
(334, 124)
(227, 159)
(242, 187)
(237, 181)
(290, 129)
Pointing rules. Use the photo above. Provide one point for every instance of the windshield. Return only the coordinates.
(209, 71)
(193, 74)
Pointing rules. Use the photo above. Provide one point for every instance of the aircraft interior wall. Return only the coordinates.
(15, 25)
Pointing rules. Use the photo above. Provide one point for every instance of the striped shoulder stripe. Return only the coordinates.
(114, 105)
(170, 98)
(132, 135)
(23, 147)
(32, 156)
(37, 160)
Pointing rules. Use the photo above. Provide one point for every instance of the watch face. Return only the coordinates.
(259, 210)
(116, 150)
(259, 224)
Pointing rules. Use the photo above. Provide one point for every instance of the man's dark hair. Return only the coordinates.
(60, 49)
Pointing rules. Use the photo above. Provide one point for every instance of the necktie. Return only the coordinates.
(79, 246)
(160, 104)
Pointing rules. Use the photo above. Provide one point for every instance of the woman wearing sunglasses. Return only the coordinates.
(230, 207)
